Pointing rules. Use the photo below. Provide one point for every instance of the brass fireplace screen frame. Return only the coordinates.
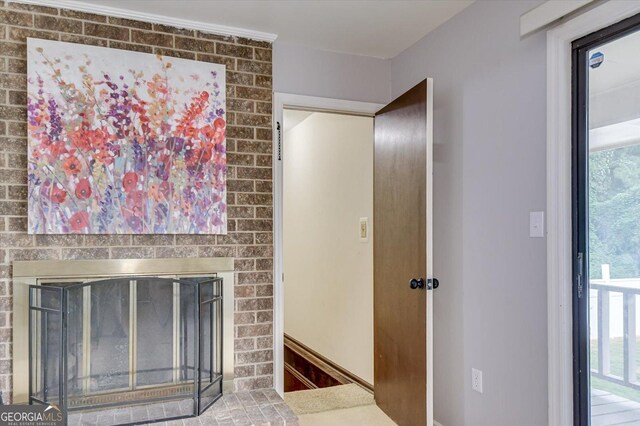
(195, 376)
(35, 273)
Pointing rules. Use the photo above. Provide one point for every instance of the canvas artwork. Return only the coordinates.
(124, 142)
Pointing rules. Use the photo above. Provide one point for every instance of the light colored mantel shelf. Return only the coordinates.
(120, 267)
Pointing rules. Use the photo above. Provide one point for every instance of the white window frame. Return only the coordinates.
(559, 237)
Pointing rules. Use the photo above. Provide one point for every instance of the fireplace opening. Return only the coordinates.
(150, 344)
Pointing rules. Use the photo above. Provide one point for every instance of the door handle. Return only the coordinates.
(416, 283)
(431, 284)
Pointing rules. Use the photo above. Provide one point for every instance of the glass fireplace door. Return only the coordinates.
(108, 328)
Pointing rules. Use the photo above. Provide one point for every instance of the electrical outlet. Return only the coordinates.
(476, 380)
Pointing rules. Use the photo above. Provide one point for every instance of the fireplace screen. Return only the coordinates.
(153, 345)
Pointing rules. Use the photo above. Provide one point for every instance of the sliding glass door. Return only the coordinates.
(606, 248)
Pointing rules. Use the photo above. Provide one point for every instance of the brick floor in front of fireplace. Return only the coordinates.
(260, 407)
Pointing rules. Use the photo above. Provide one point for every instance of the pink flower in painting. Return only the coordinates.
(79, 139)
(129, 181)
(57, 149)
(154, 192)
(97, 138)
(105, 157)
(71, 166)
(219, 123)
(87, 138)
(58, 194)
(207, 152)
(79, 221)
(219, 137)
(135, 198)
(36, 155)
(83, 189)
(208, 131)
(165, 189)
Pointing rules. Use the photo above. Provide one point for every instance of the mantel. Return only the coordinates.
(120, 267)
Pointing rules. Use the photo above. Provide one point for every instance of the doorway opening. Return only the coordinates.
(401, 146)
(327, 199)
(606, 234)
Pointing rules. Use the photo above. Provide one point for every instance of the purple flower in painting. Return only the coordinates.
(188, 195)
(162, 172)
(104, 216)
(139, 160)
(55, 124)
(177, 144)
(115, 149)
(152, 144)
(32, 112)
(163, 167)
(135, 223)
(33, 179)
(190, 158)
(162, 212)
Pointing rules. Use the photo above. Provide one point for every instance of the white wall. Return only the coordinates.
(489, 133)
(305, 71)
(328, 287)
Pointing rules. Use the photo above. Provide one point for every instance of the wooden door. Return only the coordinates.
(402, 250)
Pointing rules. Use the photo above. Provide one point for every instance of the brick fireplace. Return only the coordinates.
(249, 241)
(95, 335)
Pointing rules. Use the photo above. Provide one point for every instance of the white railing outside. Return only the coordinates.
(613, 314)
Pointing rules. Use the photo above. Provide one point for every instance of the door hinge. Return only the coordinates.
(279, 141)
(579, 284)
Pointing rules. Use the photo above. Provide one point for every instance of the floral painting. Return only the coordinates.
(124, 142)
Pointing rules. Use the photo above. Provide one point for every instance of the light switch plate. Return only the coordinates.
(536, 224)
(364, 229)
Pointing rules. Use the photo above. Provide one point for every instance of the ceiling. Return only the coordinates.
(614, 95)
(621, 65)
(380, 28)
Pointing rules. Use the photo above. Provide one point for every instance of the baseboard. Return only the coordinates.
(318, 371)
(437, 423)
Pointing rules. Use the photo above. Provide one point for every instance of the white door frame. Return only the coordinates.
(280, 102)
(559, 209)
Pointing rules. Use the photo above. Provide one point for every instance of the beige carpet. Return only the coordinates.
(365, 415)
(328, 399)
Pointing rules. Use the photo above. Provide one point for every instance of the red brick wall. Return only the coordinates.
(250, 237)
